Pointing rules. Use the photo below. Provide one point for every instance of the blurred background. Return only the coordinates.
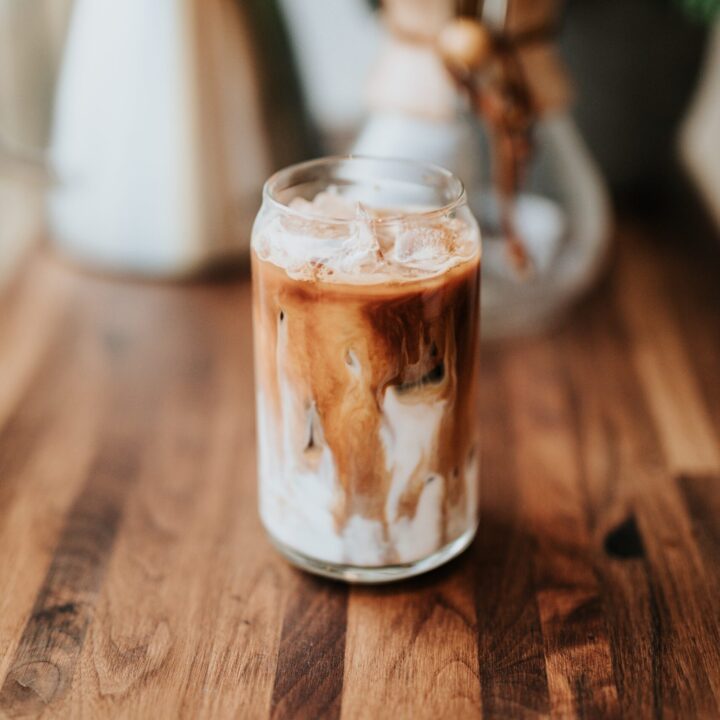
(135, 136)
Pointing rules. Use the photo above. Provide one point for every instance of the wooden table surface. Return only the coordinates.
(135, 579)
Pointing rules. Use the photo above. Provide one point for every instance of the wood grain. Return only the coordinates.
(513, 673)
(572, 617)
(413, 649)
(309, 674)
(618, 458)
(136, 581)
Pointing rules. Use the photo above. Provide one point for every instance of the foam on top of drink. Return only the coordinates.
(333, 239)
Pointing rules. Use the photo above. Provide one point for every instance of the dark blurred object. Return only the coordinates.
(635, 65)
(283, 105)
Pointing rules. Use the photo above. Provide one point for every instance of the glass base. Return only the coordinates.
(375, 575)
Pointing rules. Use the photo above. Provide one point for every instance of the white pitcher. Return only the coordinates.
(157, 147)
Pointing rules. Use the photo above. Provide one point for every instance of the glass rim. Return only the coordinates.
(459, 196)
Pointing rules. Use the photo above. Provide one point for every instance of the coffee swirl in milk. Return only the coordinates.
(366, 342)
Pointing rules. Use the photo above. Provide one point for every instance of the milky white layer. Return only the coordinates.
(296, 501)
(360, 245)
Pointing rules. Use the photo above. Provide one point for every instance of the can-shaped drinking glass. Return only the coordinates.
(366, 280)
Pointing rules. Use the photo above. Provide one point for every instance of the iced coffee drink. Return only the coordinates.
(366, 287)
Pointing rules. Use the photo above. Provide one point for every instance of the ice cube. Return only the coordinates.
(361, 251)
(419, 242)
(326, 204)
